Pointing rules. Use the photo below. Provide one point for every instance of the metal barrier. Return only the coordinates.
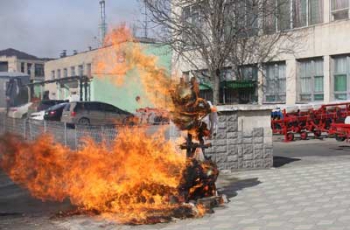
(72, 137)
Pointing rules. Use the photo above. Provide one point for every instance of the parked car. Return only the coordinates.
(54, 113)
(19, 111)
(95, 113)
(44, 105)
(39, 116)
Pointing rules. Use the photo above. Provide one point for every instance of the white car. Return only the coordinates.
(19, 111)
(39, 116)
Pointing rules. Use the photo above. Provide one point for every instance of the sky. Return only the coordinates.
(46, 27)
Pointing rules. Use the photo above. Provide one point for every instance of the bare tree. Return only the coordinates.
(221, 33)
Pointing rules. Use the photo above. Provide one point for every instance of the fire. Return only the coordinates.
(136, 180)
(124, 55)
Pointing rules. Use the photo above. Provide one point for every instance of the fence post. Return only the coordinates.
(65, 134)
(45, 128)
(76, 137)
(25, 128)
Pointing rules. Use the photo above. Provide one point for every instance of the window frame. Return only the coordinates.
(312, 76)
(345, 73)
(279, 97)
(338, 10)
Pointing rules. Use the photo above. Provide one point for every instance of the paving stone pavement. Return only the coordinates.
(293, 198)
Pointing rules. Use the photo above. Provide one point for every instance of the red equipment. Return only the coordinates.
(310, 120)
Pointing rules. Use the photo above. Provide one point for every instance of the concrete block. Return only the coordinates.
(233, 141)
(222, 125)
(259, 164)
(220, 142)
(269, 151)
(268, 163)
(220, 158)
(232, 158)
(221, 149)
(258, 132)
(222, 118)
(247, 149)
(258, 146)
(232, 126)
(258, 155)
(221, 134)
(240, 151)
(232, 117)
(258, 139)
(240, 163)
(232, 166)
(247, 140)
(240, 135)
(232, 135)
(248, 164)
(248, 156)
(232, 150)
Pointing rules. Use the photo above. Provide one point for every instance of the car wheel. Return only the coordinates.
(84, 121)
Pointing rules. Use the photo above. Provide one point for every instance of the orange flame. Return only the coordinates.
(133, 181)
(122, 55)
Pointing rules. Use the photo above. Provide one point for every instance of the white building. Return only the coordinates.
(12, 60)
(317, 72)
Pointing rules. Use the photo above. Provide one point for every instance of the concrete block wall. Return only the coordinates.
(237, 146)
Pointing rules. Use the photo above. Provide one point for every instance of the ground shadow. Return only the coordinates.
(16, 201)
(280, 161)
(230, 185)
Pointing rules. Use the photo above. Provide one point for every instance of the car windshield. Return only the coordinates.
(57, 106)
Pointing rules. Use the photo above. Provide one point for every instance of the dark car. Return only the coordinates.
(54, 113)
(44, 105)
(95, 113)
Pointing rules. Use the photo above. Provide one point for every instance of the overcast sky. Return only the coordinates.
(46, 27)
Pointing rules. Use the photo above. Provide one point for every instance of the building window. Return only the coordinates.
(311, 80)
(241, 18)
(88, 69)
(300, 8)
(315, 11)
(39, 70)
(292, 14)
(29, 68)
(275, 84)
(23, 67)
(53, 75)
(58, 74)
(241, 89)
(65, 72)
(72, 71)
(4, 66)
(341, 75)
(81, 70)
(340, 9)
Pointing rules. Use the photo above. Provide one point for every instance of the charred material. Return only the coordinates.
(199, 177)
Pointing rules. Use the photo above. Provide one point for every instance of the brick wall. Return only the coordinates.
(237, 146)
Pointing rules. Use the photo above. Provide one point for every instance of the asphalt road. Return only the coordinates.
(312, 151)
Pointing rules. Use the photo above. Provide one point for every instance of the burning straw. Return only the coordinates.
(135, 181)
(139, 178)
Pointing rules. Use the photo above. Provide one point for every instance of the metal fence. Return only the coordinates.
(68, 136)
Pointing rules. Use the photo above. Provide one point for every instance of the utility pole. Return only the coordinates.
(103, 24)
(146, 21)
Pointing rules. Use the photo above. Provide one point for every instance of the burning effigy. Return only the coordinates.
(138, 179)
